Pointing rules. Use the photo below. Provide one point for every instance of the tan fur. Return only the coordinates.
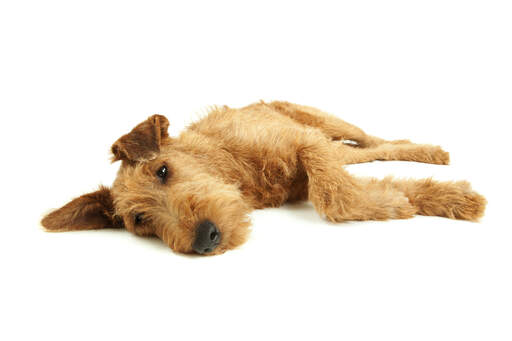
(262, 155)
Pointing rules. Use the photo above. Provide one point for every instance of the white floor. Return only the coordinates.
(297, 275)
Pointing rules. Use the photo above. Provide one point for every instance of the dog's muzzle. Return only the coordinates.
(207, 237)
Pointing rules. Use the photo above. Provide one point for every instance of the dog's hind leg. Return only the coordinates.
(393, 152)
(330, 125)
(338, 196)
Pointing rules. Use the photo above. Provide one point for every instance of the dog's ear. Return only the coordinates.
(90, 211)
(143, 142)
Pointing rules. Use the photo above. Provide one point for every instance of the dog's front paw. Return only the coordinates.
(455, 200)
(470, 206)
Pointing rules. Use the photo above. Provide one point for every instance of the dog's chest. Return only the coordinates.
(270, 182)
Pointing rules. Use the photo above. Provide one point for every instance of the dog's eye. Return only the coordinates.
(138, 219)
(162, 173)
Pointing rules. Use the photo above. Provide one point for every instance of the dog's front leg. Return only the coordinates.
(338, 196)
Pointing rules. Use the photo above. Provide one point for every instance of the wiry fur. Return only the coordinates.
(262, 155)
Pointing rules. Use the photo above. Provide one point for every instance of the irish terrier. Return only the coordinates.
(195, 191)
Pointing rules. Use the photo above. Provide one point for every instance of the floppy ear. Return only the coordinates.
(143, 142)
(90, 211)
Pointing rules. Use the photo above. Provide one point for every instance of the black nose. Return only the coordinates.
(207, 237)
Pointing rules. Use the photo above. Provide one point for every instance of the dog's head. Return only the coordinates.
(163, 188)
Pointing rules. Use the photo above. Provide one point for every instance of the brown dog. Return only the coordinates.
(195, 191)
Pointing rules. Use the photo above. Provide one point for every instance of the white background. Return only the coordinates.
(75, 76)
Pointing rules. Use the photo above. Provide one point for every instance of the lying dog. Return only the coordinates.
(195, 191)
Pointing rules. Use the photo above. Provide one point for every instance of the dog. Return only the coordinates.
(195, 191)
